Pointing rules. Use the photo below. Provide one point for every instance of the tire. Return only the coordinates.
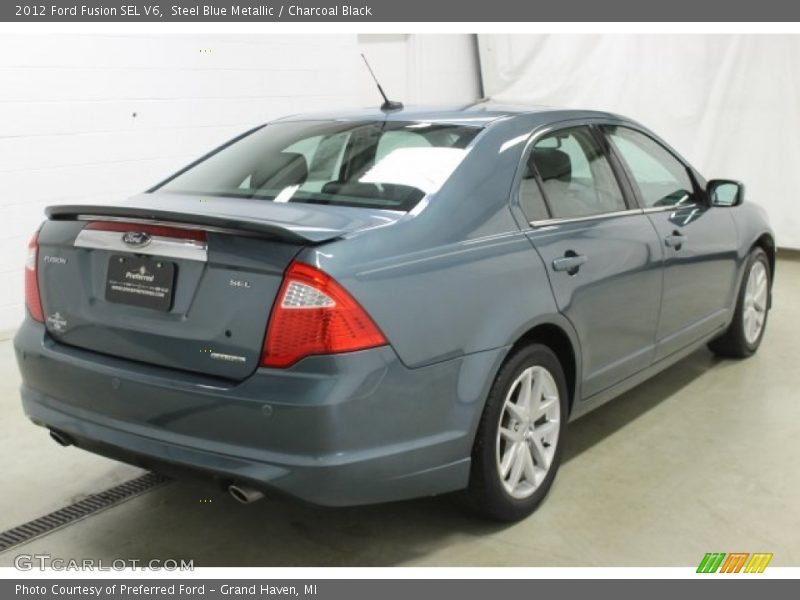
(489, 492)
(738, 341)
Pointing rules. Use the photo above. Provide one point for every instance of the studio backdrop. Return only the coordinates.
(729, 103)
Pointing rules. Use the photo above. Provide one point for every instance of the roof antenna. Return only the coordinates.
(387, 104)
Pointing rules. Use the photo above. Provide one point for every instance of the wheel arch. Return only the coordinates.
(767, 243)
(563, 345)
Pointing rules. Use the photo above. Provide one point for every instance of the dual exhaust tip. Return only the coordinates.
(62, 439)
(241, 493)
(244, 494)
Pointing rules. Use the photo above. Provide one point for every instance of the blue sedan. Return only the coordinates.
(364, 307)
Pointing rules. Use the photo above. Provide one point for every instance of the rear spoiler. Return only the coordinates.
(237, 224)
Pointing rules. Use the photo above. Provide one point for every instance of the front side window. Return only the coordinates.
(373, 164)
(662, 179)
(576, 176)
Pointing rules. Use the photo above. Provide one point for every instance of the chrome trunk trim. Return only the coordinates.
(161, 246)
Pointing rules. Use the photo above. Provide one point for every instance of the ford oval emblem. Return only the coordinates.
(136, 239)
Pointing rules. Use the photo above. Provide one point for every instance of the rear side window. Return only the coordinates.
(661, 178)
(576, 177)
(373, 164)
(531, 200)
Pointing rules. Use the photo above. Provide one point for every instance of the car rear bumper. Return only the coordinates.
(349, 429)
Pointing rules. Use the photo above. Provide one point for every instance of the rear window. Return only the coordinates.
(388, 165)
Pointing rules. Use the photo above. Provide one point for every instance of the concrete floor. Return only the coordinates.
(704, 457)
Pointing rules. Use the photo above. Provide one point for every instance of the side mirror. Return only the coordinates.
(725, 192)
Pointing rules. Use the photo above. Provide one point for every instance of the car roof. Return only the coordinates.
(478, 114)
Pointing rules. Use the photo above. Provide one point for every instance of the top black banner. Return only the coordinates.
(400, 10)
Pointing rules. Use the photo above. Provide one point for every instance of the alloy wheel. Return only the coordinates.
(755, 302)
(527, 434)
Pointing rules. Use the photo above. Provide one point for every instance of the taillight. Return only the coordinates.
(315, 315)
(32, 300)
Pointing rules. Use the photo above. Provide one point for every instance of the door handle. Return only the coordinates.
(571, 262)
(675, 240)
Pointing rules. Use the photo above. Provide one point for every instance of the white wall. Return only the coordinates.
(421, 69)
(729, 103)
(67, 103)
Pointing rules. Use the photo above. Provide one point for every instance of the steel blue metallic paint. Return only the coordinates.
(454, 285)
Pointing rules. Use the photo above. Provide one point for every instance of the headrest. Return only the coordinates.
(551, 163)
(355, 188)
(397, 196)
(282, 170)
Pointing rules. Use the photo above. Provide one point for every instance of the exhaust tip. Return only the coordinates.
(244, 494)
(62, 439)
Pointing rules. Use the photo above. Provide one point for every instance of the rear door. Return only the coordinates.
(699, 241)
(603, 256)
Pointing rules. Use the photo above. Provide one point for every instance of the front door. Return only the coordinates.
(699, 241)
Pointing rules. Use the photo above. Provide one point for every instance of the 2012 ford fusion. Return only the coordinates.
(363, 307)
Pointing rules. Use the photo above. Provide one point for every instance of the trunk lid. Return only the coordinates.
(195, 293)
